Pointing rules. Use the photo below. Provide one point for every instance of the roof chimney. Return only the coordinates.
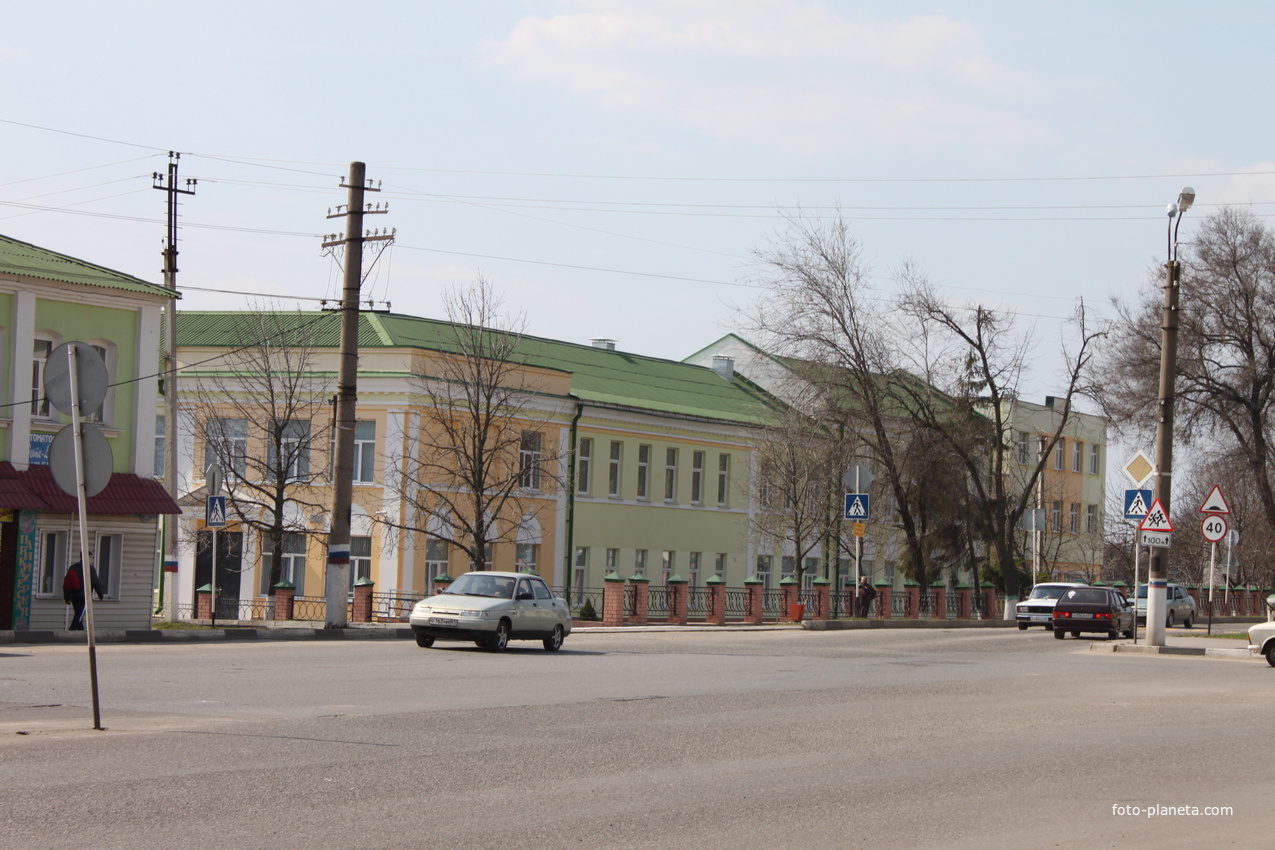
(605, 344)
(724, 366)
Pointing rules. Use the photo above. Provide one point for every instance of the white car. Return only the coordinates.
(1038, 608)
(1261, 640)
(492, 609)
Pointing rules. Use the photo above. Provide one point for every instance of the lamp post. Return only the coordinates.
(1158, 572)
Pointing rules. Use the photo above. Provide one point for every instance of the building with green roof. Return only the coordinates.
(653, 459)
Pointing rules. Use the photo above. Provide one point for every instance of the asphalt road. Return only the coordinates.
(882, 739)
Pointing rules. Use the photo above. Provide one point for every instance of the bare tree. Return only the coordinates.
(1225, 388)
(261, 411)
(475, 467)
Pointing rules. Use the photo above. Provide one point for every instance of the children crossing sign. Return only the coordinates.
(1156, 527)
(857, 507)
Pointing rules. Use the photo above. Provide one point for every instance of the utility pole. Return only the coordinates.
(169, 185)
(336, 582)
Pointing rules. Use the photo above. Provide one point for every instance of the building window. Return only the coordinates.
(436, 557)
(1077, 456)
(1022, 446)
(613, 469)
(1073, 522)
(160, 456)
(810, 573)
(292, 565)
(639, 562)
(1091, 519)
(584, 458)
(1059, 453)
(289, 453)
(764, 563)
(526, 556)
(719, 565)
(643, 472)
(723, 479)
(1093, 459)
(787, 567)
(360, 560)
(697, 478)
(226, 441)
(581, 568)
(667, 566)
(364, 452)
(670, 475)
(613, 560)
(692, 567)
(39, 362)
(106, 559)
(1055, 518)
(52, 562)
(529, 461)
(99, 415)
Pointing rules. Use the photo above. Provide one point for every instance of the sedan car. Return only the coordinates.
(1093, 609)
(1261, 640)
(1038, 608)
(1179, 605)
(492, 609)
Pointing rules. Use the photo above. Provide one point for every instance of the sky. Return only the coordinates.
(611, 165)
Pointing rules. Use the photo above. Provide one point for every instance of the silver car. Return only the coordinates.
(492, 609)
(1179, 606)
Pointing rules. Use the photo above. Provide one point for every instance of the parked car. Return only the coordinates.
(1261, 640)
(491, 609)
(1180, 606)
(1038, 608)
(1093, 609)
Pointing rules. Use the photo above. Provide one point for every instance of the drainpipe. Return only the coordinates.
(571, 503)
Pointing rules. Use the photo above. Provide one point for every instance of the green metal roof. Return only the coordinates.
(599, 375)
(25, 260)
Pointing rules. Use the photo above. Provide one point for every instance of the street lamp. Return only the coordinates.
(1158, 574)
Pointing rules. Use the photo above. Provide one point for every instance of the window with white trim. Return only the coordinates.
(719, 565)
(527, 557)
(107, 552)
(613, 469)
(692, 568)
(667, 559)
(226, 441)
(360, 559)
(584, 459)
(529, 460)
(289, 454)
(1022, 447)
(1093, 459)
(436, 557)
(670, 475)
(697, 478)
(52, 563)
(644, 472)
(764, 563)
(639, 562)
(723, 479)
(39, 363)
(1077, 455)
(1059, 453)
(1091, 519)
(364, 452)
(1073, 519)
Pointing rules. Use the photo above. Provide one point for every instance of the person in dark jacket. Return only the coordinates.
(865, 593)
(73, 592)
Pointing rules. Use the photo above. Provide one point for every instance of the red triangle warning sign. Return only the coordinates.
(1215, 503)
(1157, 519)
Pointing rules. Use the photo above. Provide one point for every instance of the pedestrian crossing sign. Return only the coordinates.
(1136, 503)
(215, 512)
(857, 507)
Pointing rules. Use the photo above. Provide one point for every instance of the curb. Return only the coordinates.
(1196, 651)
(844, 625)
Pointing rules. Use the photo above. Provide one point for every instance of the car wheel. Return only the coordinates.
(1059, 633)
(1270, 653)
(1113, 634)
(553, 643)
(500, 638)
(1168, 621)
(1075, 634)
(1022, 627)
(1189, 621)
(424, 641)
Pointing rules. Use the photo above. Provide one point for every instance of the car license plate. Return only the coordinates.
(442, 621)
(1039, 618)
(1082, 616)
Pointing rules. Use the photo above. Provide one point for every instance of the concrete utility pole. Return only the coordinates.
(169, 185)
(336, 583)
(1158, 571)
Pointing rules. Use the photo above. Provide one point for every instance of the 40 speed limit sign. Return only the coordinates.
(1213, 528)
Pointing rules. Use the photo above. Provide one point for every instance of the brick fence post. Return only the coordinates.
(885, 600)
(823, 599)
(913, 591)
(363, 601)
(989, 602)
(939, 608)
(716, 586)
(790, 595)
(641, 600)
(677, 603)
(963, 601)
(613, 593)
(203, 603)
(284, 592)
(756, 600)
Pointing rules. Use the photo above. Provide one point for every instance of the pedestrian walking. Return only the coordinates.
(73, 591)
(864, 594)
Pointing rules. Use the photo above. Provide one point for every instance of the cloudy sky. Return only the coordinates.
(611, 164)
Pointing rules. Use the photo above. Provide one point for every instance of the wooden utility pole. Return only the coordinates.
(170, 186)
(336, 582)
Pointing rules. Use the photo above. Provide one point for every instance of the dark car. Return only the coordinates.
(1093, 609)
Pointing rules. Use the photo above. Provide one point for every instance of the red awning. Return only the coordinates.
(124, 495)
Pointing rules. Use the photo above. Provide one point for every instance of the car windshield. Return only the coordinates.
(1046, 591)
(477, 584)
(1087, 596)
(1142, 591)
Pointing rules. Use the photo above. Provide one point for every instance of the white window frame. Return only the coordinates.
(527, 557)
(644, 472)
(1023, 441)
(1094, 455)
(52, 564)
(1073, 518)
(723, 479)
(108, 557)
(584, 459)
(1091, 519)
(719, 565)
(360, 560)
(1060, 452)
(364, 466)
(1077, 456)
(42, 348)
(765, 563)
(435, 562)
(692, 568)
(697, 477)
(614, 462)
(530, 448)
(639, 562)
(670, 475)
